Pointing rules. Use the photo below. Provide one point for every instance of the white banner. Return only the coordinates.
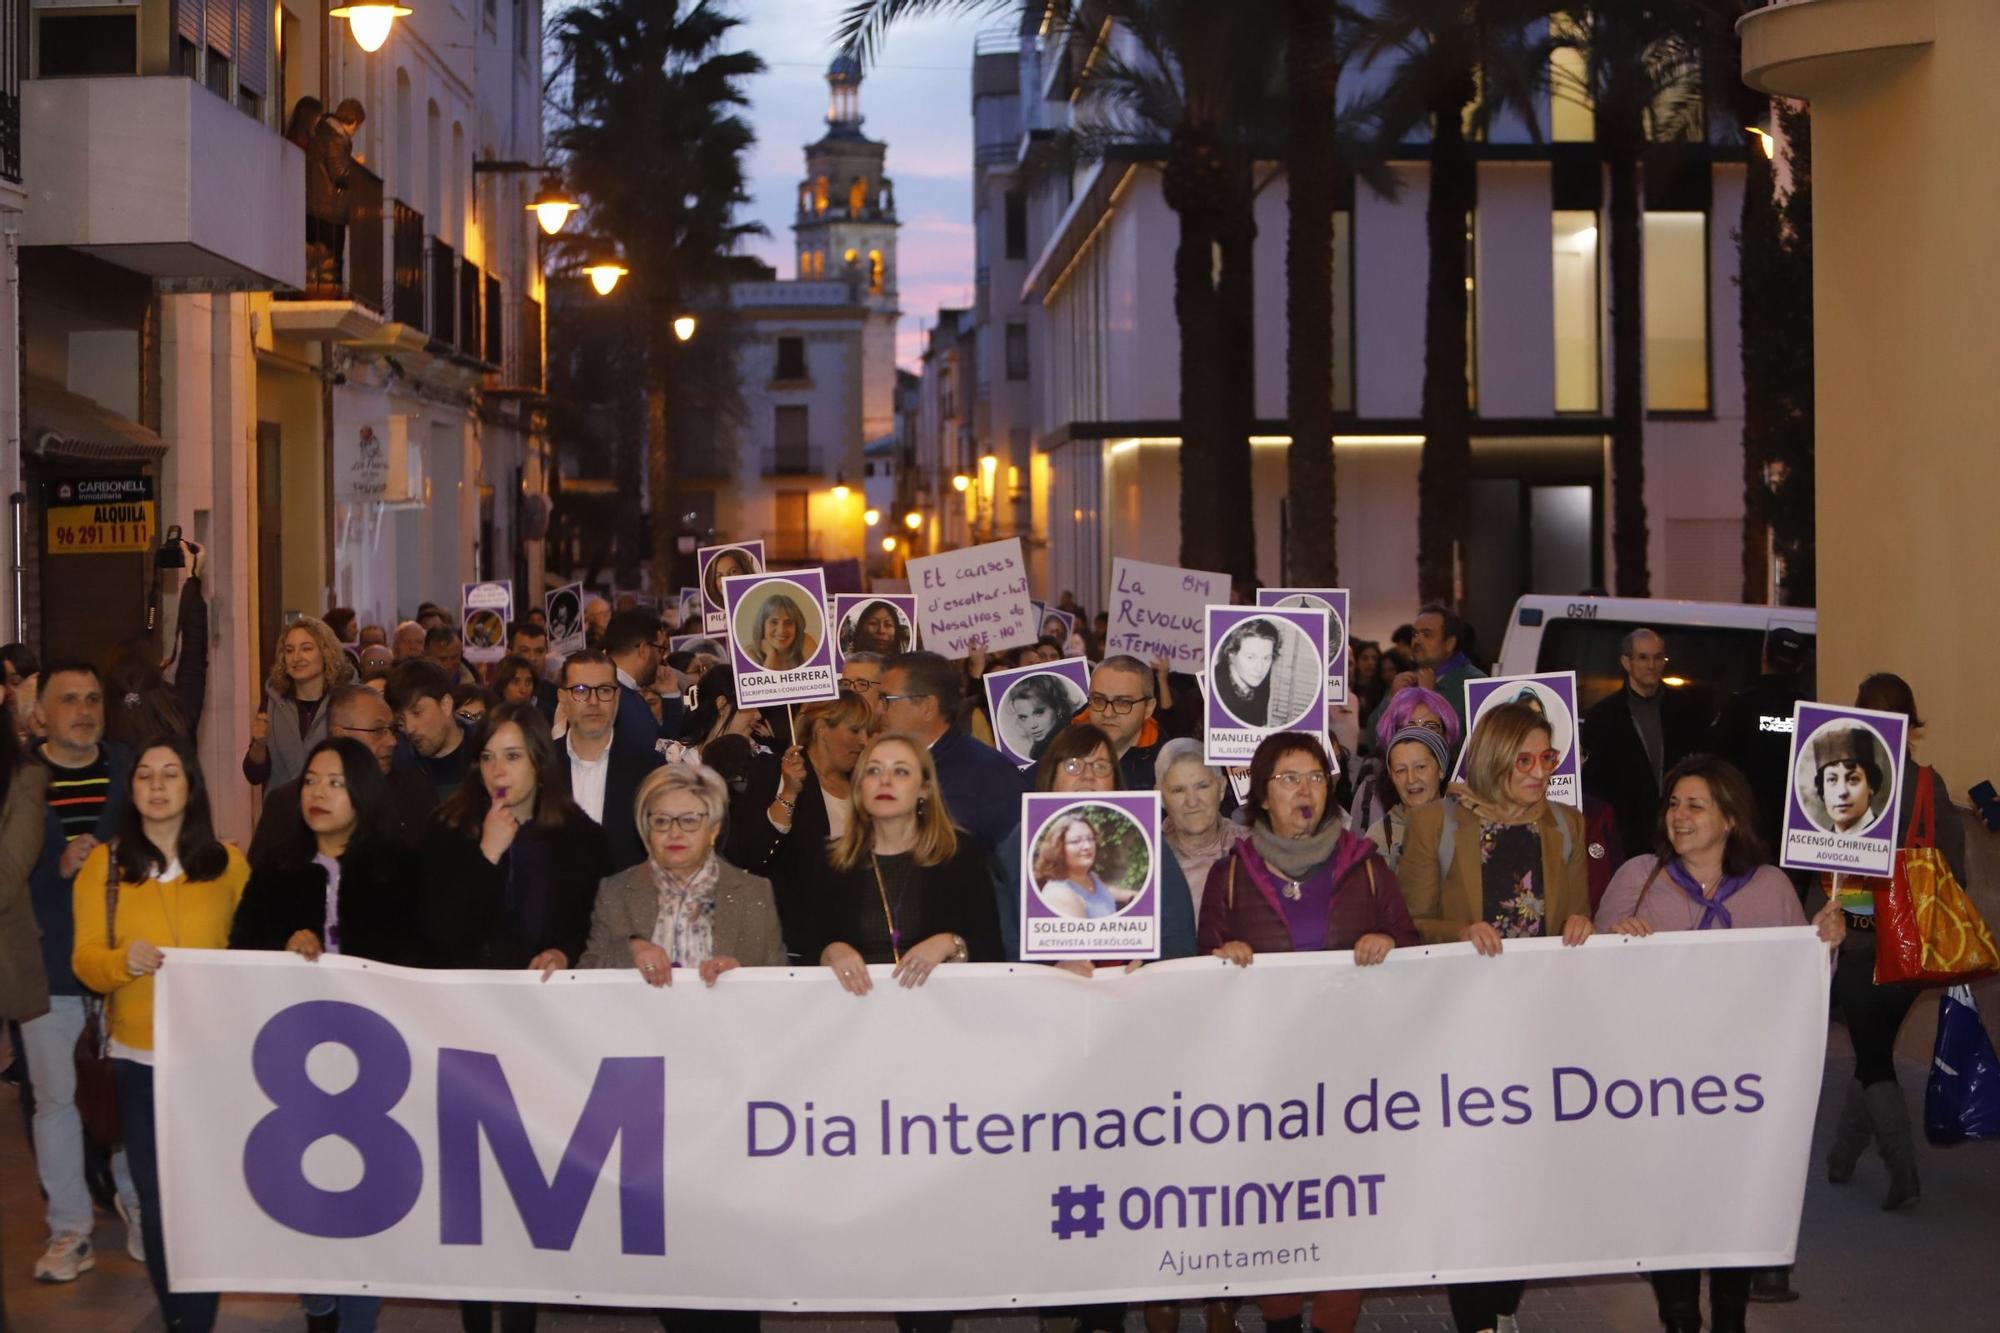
(1003, 1137)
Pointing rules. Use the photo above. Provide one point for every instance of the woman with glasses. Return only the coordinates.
(1494, 860)
(1301, 881)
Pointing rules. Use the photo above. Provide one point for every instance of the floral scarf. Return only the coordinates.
(685, 927)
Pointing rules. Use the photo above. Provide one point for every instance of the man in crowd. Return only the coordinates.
(419, 694)
(408, 642)
(1122, 705)
(530, 642)
(861, 675)
(633, 642)
(1436, 640)
(922, 695)
(370, 635)
(359, 714)
(443, 646)
(1754, 730)
(1633, 737)
(89, 783)
(605, 769)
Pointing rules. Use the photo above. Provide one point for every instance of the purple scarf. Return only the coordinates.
(1712, 909)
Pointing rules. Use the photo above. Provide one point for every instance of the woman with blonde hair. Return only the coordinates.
(308, 665)
(902, 885)
(1496, 859)
(785, 836)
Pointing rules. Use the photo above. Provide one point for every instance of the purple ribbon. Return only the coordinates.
(1712, 909)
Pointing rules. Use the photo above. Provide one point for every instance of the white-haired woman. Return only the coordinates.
(1191, 800)
(684, 906)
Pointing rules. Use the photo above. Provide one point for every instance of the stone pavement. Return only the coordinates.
(1933, 1269)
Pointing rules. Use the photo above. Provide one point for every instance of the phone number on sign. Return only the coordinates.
(100, 536)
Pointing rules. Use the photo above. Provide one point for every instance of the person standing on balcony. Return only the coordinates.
(330, 163)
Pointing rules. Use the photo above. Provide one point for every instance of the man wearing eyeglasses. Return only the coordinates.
(861, 676)
(1122, 705)
(922, 695)
(1632, 737)
(359, 714)
(604, 775)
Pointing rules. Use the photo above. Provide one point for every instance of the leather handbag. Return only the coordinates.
(96, 1087)
(1926, 928)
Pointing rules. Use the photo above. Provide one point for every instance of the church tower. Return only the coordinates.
(846, 225)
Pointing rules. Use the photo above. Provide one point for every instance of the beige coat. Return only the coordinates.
(1445, 901)
(628, 904)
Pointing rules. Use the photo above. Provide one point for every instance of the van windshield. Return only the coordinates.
(1711, 663)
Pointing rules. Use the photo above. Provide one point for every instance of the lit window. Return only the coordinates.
(857, 197)
(1676, 286)
(875, 270)
(1575, 264)
(819, 194)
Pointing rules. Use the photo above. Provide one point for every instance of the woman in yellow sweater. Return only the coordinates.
(163, 883)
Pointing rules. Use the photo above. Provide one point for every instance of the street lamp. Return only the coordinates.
(913, 520)
(889, 545)
(684, 327)
(552, 206)
(604, 268)
(370, 20)
(871, 517)
(840, 491)
(961, 483)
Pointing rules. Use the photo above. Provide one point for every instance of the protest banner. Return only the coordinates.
(1553, 695)
(564, 609)
(484, 610)
(884, 624)
(979, 594)
(1159, 610)
(716, 563)
(1030, 704)
(1843, 806)
(1090, 875)
(1264, 674)
(1188, 1129)
(1054, 623)
(1333, 601)
(778, 639)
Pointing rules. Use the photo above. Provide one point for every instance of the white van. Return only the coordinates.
(1713, 648)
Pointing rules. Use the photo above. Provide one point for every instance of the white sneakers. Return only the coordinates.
(68, 1255)
(135, 1238)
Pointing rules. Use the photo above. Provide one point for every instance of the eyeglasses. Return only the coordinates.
(859, 686)
(1544, 762)
(898, 698)
(1116, 707)
(582, 693)
(681, 823)
(363, 731)
(1290, 781)
(1087, 768)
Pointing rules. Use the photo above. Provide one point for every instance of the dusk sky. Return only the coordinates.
(917, 98)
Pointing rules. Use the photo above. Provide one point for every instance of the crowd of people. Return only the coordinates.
(617, 808)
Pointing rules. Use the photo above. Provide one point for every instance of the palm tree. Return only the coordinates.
(647, 124)
(1312, 74)
(1640, 67)
(1461, 62)
(1197, 77)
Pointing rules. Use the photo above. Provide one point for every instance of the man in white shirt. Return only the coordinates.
(604, 775)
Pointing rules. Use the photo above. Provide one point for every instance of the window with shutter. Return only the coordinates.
(220, 31)
(253, 46)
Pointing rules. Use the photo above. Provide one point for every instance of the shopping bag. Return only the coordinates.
(1926, 928)
(1963, 1099)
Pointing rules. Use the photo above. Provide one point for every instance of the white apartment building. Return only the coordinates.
(164, 339)
(1077, 399)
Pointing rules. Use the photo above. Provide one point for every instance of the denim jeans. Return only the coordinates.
(357, 1313)
(49, 1042)
(184, 1312)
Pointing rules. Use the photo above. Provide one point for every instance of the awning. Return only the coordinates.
(56, 423)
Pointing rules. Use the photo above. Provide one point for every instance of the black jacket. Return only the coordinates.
(377, 906)
(791, 861)
(473, 913)
(630, 763)
(1615, 768)
(415, 797)
(953, 897)
(1754, 732)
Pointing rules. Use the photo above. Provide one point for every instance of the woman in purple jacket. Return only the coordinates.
(1301, 881)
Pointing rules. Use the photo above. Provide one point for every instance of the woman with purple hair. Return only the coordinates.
(1411, 706)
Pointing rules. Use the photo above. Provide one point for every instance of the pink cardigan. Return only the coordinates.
(1767, 900)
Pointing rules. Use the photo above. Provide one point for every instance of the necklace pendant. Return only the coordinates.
(1292, 890)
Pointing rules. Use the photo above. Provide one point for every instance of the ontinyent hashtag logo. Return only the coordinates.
(1077, 1211)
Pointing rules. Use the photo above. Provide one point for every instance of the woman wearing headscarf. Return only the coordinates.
(1707, 871)
(1411, 706)
(1191, 823)
(1414, 763)
(1301, 881)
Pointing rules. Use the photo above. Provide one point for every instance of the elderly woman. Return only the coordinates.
(308, 665)
(1707, 872)
(1301, 881)
(1415, 763)
(1191, 800)
(1411, 706)
(781, 638)
(684, 907)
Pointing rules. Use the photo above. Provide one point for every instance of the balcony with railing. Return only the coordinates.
(495, 351)
(441, 263)
(13, 44)
(471, 331)
(346, 291)
(406, 296)
(804, 460)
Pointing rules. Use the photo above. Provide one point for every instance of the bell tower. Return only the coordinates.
(846, 222)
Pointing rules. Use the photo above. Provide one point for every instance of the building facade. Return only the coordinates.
(1076, 349)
